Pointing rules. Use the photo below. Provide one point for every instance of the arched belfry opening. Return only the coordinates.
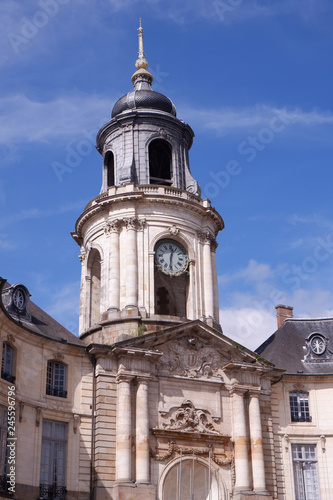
(160, 165)
(171, 279)
(94, 279)
(109, 166)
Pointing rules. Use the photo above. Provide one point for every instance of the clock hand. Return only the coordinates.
(171, 257)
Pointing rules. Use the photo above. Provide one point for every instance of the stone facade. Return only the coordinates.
(301, 405)
(153, 401)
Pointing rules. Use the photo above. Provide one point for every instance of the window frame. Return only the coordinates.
(53, 378)
(152, 151)
(305, 468)
(53, 452)
(299, 406)
(8, 374)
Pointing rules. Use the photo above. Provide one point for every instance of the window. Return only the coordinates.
(7, 363)
(299, 406)
(305, 472)
(56, 379)
(109, 163)
(3, 449)
(53, 460)
(160, 162)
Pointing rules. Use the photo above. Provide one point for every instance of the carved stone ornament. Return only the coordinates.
(38, 415)
(174, 230)
(173, 448)
(191, 357)
(187, 419)
(21, 408)
(134, 223)
(10, 338)
(82, 255)
(58, 356)
(112, 227)
(76, 422)
(206, 237)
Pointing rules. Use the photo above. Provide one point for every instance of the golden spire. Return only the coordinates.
(141, 63)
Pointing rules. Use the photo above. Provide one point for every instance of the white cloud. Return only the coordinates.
(247, 326)
(229, 12)
(64, 306)
(35, 213)
(254, 272)
(26, 120)
(228, 120)
(78, 114)
(6, 244)
(251, 318)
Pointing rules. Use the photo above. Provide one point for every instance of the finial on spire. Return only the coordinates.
(141, 63)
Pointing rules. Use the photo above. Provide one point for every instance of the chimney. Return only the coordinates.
(283, 313)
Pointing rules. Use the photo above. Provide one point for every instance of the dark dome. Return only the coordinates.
(144, 99)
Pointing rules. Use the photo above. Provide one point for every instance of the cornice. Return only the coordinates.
(134, 117)
(167, 196)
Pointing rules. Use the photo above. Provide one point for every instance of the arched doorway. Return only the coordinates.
(192, 479)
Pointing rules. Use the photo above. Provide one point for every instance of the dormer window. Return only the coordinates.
(318, 350)
(160, 162)
(56, 379)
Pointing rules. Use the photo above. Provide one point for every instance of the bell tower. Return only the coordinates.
(147, 240)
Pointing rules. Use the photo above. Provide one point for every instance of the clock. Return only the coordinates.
(318, 345)
(171, 257)
(19, 299)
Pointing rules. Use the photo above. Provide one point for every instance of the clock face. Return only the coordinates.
(171, 258)
(318, 345)
(19, 298)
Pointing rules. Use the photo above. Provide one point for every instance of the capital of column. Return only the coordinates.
(123, 377)
(214, 245)
(112, 226)
(254, 393)
(143, 379)
(82, 255)
(133, 223)
(240, 391)
(206, 238)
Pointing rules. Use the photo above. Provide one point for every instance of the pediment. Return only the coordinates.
(192, 350)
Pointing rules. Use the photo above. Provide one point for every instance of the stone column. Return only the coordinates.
(131, 263)
(208, 276)
(215, 283)
(142, 431)
(124, 429)
(83, 320)
(192, 301)
(257, 452)
(113, 299)
(240, 442)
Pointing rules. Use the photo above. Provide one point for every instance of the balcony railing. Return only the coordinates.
(51, 391)
(52, 492)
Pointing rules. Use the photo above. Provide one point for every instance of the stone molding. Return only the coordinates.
(173, 449)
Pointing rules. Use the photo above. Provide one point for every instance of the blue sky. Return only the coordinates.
(253, 79)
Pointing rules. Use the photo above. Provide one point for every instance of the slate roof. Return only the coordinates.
(41, 323)
(287, 347)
